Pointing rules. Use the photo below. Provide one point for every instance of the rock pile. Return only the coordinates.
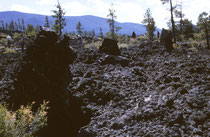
(133, 35)
(109, 47)
(157, 94)
(166, 40)
(144, 91)
(44, 75)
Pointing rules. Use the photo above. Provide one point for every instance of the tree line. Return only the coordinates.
(181, 29)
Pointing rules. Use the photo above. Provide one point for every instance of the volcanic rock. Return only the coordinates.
(133, 35)
(166, 40)
(110, 46)
(44, 75)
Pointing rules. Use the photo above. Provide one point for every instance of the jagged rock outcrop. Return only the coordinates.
(133, 35)
(143, 92)
(109, 47)
(44, 75)
(166, 39)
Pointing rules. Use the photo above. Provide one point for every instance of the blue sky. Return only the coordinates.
(126, 10)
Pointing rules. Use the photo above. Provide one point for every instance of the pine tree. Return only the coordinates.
(47, 24)
(101, 33)
(6, 26)
(16, 26)
(19, 25)
(79, 28)
(204, 24)
(23, 25)
(85, 33)
(93, 33)
(172, 16)
(12, 26)
(60, 22)
(111, 20)
(30, 28)
(187, 28)
(179, 14)
(3, 28)
(150, 24)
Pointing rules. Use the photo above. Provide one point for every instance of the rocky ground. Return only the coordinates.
(145, 91)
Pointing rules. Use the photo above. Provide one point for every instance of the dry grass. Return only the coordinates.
(123, 45)
(9, 50)
(176, 46)
(1, 47)
(94, 45)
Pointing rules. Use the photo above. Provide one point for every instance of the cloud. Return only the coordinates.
(192, 8)
(76, 8)
(22, 8)
(129, 12)
(45, 2)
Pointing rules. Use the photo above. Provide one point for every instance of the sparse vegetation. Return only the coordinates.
(113, 29)
(172, 7)
(60, 22)
(204, 24)
(79, 28)
(23, 122)
(9, 50)
(150, 24)
(104, 82)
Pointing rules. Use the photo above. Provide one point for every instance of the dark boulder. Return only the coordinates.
(166, 40)
(44, 74)
(108, 59)
(110, 47)
(133, 35)
(158, 34)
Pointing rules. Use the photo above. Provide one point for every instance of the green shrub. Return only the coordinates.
(9, 50)
(124, 45)
(17, 36)
(96, 44)
(23, 122)
(199, 36)
(3, 41)
(32, 34)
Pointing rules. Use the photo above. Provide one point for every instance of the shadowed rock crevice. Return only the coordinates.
(44, 74)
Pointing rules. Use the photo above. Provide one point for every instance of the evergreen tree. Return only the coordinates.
(187, 29)
(19, 26)
(0, 25)
(204, 24)
(79, 28)
(93, 33)
(12, 26)
(150, 24)
(6, 26)
(101, 33)
(172, 16)
(3, 28)
(30, 28)
(85, 33)
(47, 24)
(178, 14)
(111, 21)
(60, 22)
(16, 26)
(23, 25)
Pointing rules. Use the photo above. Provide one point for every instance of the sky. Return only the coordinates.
(126, 10)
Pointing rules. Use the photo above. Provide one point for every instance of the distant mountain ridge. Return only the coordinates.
(88, 22)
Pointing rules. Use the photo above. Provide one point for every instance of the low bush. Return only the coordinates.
(9, 50)
(96, 44)
(23, 122)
